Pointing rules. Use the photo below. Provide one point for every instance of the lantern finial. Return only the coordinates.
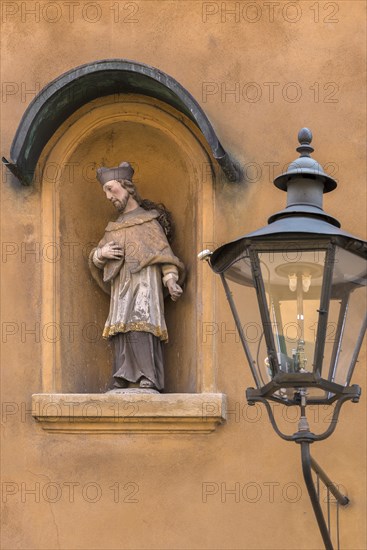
(305, 138)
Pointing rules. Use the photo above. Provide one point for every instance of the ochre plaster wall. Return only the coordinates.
(153, 491)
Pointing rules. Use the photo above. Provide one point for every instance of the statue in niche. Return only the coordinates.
(134, 263)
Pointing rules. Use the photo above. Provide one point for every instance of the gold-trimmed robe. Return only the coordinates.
(135, 280)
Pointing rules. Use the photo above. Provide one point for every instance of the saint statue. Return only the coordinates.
(134, 263)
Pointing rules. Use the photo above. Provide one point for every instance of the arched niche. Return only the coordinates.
(64, 95)
(173, 165)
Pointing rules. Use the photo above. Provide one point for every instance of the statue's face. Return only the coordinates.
(117, 194)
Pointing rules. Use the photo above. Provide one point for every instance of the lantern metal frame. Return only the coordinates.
(304, 223)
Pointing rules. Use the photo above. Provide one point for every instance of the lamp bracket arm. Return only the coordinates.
(334, 420)
(307, 462)
(298, 437)
(342, 499)
(271, 417)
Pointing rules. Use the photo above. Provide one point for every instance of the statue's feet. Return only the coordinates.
(120, 383)
(147, 384)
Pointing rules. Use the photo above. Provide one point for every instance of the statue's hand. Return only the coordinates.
(174, 289)
(110, 251)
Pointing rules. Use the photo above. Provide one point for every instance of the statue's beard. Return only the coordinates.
(120, 205)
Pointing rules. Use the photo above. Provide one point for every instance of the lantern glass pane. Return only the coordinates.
(292, 282)
(346, 315)
(241, 285)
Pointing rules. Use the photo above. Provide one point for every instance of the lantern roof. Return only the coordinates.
(287, 229)
(303, 219)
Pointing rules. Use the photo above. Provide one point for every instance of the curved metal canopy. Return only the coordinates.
(297, 227)
(74, 88)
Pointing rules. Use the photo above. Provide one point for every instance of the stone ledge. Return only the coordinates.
(185, 413)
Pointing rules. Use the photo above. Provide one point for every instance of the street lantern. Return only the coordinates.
(297, 291)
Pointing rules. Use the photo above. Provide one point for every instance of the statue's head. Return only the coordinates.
(116, 182)
(123, 171)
